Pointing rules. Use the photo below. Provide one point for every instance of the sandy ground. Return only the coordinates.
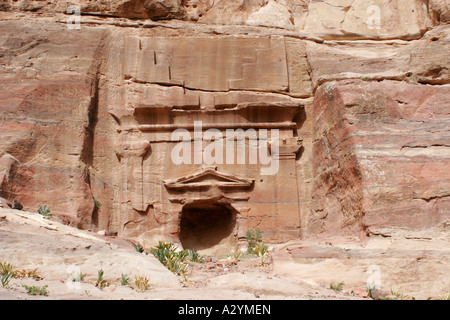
(414, 265)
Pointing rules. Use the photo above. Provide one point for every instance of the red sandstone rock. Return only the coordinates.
(47, 113)
(89, 113)
(381, 153)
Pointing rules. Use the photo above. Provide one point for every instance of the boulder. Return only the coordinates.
(17, 205)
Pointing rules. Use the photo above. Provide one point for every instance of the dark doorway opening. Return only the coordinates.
(205, 224)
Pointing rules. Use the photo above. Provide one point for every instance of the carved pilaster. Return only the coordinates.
(131, 156)
(286, 196)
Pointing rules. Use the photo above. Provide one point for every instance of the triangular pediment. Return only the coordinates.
(207, 178)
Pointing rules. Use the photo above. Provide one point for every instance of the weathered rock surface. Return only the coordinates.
(413, 263)
(382, 151)
(418, 61)
(344, 19)
(59, 253)
(48, 96)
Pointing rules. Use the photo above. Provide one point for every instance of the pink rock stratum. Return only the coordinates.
(324, 124)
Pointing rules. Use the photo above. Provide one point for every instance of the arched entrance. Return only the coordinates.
(208, 225)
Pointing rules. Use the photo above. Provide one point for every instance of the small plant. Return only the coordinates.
(100, 275)
(138, 248)
(337, 287)
(101, 282)
(45, 211)
(365, 79)
(370, 288)
(236, 255)
(163, 250)
(142, 283)
(395, 291)
(445, 296)
(174, 261)
(395, 294)
(35, 290)
(5, 278)
(261, 250)
(253, 237)
(124, 280)
(97, 204)
(192, 255)
(6, 273)
(20, 274)
(6, 268)
(78, 277)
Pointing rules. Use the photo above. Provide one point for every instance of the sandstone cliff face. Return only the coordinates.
(48, 94)
(326, 18)
(358, 90)
(382, 151)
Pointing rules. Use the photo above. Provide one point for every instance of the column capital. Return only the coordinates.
(132, 149)
(288, 148)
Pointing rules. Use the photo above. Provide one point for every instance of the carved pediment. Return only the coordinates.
(207, 178)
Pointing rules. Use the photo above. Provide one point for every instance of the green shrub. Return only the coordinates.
(337, 286)
(45, 211)
(253, 237)
(192, 255)
(370, 288)
(138, 248)
(35, 290)
(236, 255)
(261, 250)
(5, 278)
(6, 273)
(395, 291)
(6, 268)
(78, 277)
(101, 282)
(97, 204)
(445, 296)
(124, 280)
(174, 261)
(162, 250)
(142, 283)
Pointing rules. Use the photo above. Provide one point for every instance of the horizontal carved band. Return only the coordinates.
(223, 126)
